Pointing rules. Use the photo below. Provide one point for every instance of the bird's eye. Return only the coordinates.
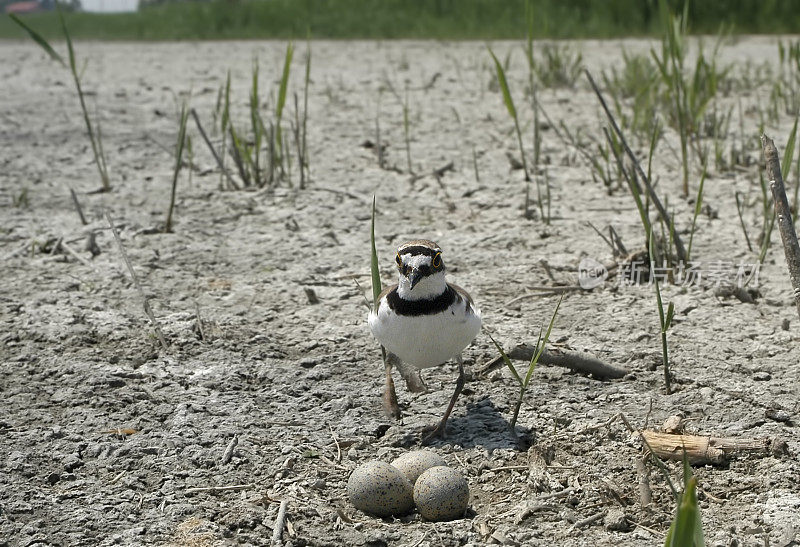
(398, 260)
(437, 261)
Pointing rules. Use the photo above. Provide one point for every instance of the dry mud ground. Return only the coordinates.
(104, 436)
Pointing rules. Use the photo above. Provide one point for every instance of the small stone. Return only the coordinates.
(615, 520)
(72, 462)
(308, 362)
(674, 424)
(762, 376)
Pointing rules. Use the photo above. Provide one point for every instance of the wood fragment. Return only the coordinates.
(783, 213)
(228, 454)
(587, 521)
(280, 523)
(645, 494)
(336, 442)
(572, 360)
(19, 250)
(704, 449)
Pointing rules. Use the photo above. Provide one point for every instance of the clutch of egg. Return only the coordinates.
(420, 477)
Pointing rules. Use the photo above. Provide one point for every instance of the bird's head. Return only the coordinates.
(421, 270)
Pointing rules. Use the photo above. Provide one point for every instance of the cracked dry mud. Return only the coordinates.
(107, 439)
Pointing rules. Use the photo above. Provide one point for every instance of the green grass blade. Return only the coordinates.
(70, 49)
(506, 360)
(788, 154)
(698, 205)
(670, 315)
(376, 274)
(661, 317)
(542, 344)
(39, 40)
(179, 147)
(687, 527)
(682, 531)
(287, 66)
(501, 78)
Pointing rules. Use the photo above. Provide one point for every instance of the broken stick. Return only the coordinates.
(280, 523)
(572, 360)
(791, 248)
(706, 449)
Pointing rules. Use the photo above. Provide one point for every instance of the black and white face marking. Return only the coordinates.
(416, 263)
(421, 267)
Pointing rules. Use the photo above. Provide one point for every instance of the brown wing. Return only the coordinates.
(464, 294)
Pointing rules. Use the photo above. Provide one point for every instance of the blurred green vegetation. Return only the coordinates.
(434, 19)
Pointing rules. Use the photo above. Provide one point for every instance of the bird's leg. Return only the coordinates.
(439, 430)
(390, 405)
(410, 374)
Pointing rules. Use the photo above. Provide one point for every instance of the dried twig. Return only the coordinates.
(215, 489)
(19, 250)
(336, 442)
(75, 255)
(556, 357)
(280, 523)
(784, 215)
(145, 301)
(587, 521)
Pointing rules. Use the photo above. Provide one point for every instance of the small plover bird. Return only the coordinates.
(425, 321)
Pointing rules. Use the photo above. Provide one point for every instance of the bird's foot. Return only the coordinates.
(433, 432)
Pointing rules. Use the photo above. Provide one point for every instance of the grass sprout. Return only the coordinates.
(179, 148)
(558, 66)
(374, 269)
(665, 318)
(281, 101)
(512, 110)
(95, 137)
(406, 131)
(686, 529)
(261, 151)
(687, 92)
(524, 382)
(698, 205)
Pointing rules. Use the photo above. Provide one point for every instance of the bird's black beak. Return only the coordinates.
(415, 277)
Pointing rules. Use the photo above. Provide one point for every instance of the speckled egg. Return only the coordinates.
(441, 493)
(380, 489)
(415, 463)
